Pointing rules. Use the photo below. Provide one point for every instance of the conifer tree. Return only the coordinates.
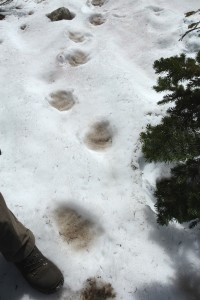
(178, 135)
(177, 139)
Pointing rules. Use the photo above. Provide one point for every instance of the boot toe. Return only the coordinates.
(48, 280)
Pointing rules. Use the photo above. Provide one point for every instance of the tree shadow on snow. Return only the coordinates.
(182, 246)
(14, 287)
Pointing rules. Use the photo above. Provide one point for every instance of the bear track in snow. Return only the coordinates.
(74, 58)
(76, 37)
(96, 289)
(99, 136)
(77, 58)
(62, 100)
(75, 229)
(97, 19)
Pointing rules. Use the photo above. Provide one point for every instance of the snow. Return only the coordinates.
(47, 162)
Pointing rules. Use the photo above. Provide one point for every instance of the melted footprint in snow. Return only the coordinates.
(155, 9)
(76, 229)
(79, 37)
(62, 100)
(77, 58)
(96, 289)
(74, 58)
(100, 136)
(97, 19)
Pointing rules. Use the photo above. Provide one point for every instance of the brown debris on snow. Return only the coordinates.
(75, 229)
(97, 290)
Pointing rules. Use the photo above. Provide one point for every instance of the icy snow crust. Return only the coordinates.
(76, 161)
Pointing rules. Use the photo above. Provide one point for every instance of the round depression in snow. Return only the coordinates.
(62, 100)
(99, 137)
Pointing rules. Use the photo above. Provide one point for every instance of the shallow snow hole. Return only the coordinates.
(62, 100)
(74, 228)
(99, 136)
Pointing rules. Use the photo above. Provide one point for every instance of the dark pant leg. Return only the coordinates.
(16, 241)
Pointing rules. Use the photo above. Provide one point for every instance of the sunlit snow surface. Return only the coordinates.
(75, 96)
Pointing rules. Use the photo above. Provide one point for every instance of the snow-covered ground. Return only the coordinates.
(77, 177)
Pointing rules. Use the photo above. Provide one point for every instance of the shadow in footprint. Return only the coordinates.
(23, 27)
(100, 136)
(76, 229)
(155, 9)
(31, 12)
(98, 2)
(2, 17)
(62, 100)
(97, 19)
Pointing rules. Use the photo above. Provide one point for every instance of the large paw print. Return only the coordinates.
(74, 58)
(97, 19)
(99, 136)
(62, 100)
(77, 58)
(75, 229)
(79, 37)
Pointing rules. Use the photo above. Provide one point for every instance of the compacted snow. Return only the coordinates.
(75, 95)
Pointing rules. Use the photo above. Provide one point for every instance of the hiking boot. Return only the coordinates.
(40, 272)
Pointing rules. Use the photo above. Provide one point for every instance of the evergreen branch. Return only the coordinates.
(188, 31)
(190, 13)
(177, 139)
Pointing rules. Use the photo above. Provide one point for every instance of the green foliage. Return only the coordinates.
(190, 13)
(177, 139)
(192, 27)
(178, 197)
(177, 70)
(169, 141)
